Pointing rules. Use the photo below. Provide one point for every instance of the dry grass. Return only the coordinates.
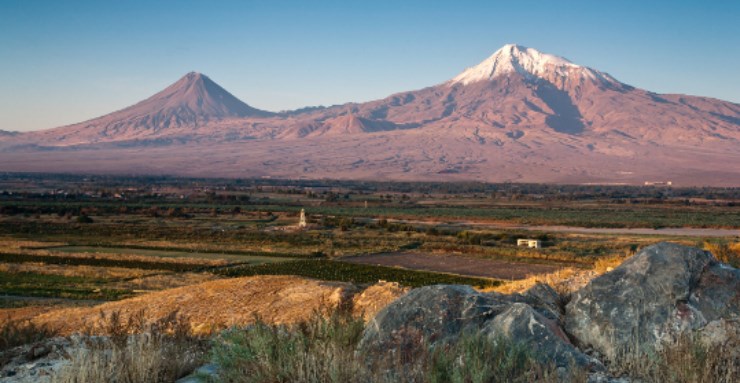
(223, 303)
(9, 243)
(607, 264)
(687, 359)
(76, 271)
(567, 280)
(163, 281)
(725, 252)
(323, 348)
(134, 351)
(564, 281)
(125, 257)
(374, 298)
(19, 332)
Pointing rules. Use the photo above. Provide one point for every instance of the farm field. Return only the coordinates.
(456, 264)
(79, 240)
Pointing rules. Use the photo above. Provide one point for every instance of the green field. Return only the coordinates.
(57, 286)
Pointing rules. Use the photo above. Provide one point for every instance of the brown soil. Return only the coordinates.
(455, 264)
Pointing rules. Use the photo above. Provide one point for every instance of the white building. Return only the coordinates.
(533, 243)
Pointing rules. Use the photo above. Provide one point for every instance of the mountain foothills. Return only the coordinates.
(519, 116)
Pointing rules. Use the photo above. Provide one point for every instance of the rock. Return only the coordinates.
(545, 299)
(35, 363)
(205, 373)
(662, 291)
(521, 323)
(435, 314)
(438, 315)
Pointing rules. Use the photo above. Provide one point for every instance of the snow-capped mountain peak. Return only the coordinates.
(530, 63)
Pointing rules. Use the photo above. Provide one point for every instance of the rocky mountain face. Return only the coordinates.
(519, 116)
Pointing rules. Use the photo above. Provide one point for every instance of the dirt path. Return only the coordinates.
(455, 264)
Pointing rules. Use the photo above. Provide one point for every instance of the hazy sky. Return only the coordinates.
(67, 61)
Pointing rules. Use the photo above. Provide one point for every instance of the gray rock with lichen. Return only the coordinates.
(664, 290)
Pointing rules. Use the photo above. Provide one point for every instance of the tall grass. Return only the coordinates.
(14, 333)
(320, 349)
(134, 351)
(725, 252)
(687, 359)
(324, 349)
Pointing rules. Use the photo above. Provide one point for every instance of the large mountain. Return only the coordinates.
(520, 115)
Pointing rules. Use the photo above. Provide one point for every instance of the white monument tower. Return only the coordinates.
(302, 223)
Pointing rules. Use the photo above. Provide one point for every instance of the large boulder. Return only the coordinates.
(435, 315)
(521, 323)
(662, 291)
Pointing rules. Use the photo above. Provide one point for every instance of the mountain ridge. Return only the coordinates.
(518, 116)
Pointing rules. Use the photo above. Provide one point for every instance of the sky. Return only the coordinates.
(63, 62)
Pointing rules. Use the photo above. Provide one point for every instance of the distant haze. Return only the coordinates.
(65, 62)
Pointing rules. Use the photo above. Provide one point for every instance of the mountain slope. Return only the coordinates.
(194, 101)
(519, 116)
(520, 91)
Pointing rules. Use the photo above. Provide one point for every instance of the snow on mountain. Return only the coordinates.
(528, 62)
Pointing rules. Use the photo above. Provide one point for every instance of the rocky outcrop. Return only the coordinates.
(438, 315)
(521, 323)
(664, 290)
(36, 362)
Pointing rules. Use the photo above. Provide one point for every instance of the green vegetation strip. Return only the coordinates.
(354, 273)
(57, 286)
(610, 215)
(100, 262)
(188, 252)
